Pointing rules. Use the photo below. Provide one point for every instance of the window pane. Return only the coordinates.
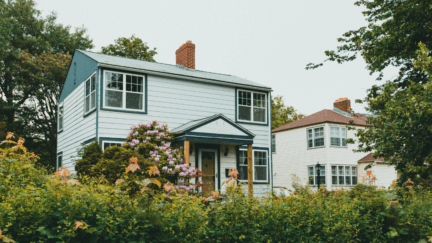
(259, 100)
(59, 161)
(334, 131)
(311, 171)
(244, 98)
(60, 123)
(343, 132)
(243, 175)
(243, 157)
(319, 142)
(259, 114)
(134, 101)
(347, 180)
(93, 83)
(87, 87)
(354, 180)
(322, 171)
(244, 113)
(273, 143)
(344, 142)
(310, 143)
(334, 180)
(260, 158)
(311, 180)
(260, 173)
(114, 98)
(114, 81)
(341, 180)
(341, 170)
(93, 100)
(334, 170)
(347, 170)
(87, 103)
(134, 83)
(335, 141)
(310, 133)
(354, 170)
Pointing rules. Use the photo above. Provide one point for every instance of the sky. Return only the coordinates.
(269, 42)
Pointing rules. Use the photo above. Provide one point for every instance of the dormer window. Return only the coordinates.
(124, 91)
(251, 106)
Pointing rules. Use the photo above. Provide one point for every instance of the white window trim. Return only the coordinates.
(315, 174)
(337, 174)
(253, 165)
(60, 116)
(252, 107)
(85, 96)
(340, 137)
(313, 137)
(124, 92)
(109, 141)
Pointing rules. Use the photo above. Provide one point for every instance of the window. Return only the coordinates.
(344, 175)
(59, 161)
(273, 143)
(124, 91)
(260, 165)
(313, 175)
(252, 106)
(315, 137)
(243, 173)
(110, 144)
(60, 117)
(338, 136)
(90, 94)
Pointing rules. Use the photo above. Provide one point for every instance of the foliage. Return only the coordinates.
(133, 48)
(395, 27)
(282, 114)
(91, 156)
(33, 54)
(402, 132)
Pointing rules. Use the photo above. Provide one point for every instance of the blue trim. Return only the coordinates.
(59, 131)
(214, 135)
(89, 113)
(242, 129)
(111, 139)
(125, 72)
(214, 140)
(98, 79)
(60, 153)
(268, 164)
(89, 141)
(246, 122)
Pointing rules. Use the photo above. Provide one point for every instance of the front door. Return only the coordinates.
(208, 167)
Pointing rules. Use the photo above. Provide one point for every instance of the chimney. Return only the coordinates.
(185, 55)
(343, 104)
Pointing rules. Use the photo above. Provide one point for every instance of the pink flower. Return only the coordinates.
(171, 162)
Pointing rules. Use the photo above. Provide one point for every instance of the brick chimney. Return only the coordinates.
(185, 55)
(343, 104)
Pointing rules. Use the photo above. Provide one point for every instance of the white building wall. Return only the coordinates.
(76, 129)
(385, 174)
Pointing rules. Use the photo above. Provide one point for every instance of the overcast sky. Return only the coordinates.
(269, 42)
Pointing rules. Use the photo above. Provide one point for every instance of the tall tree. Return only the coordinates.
(282, 114)
(24, 32)
(395, 27)
(133, 47)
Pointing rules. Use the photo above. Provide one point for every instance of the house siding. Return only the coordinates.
(385, 174)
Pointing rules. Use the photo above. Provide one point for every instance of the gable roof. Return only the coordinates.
(323, 117)
(168, 69)
(370, 158)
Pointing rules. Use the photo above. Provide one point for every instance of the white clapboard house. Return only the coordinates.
(215, 116)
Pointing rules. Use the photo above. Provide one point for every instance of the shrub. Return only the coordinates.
(86, 166)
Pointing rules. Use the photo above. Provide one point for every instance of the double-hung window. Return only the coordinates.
(338, 136)
(315, 137)
(313, 175)
(273, 143)
(124, 91)
(344, 175)
(252, 106)
(60, 117)
(260, 165)
(90, 94)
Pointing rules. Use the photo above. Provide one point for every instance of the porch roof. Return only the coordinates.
(215, 129)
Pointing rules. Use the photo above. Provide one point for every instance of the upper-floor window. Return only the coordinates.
(252, 106)
(273, 143)
(90, 94)
(315, 137)
(60, 117)
(344, 175)
(259, 167)
(338, 136)
(124, 91)
(313, 175)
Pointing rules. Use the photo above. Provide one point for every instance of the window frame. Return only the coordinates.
(253, 164)
(90, 94)
(60, 155)
(265, 122)
(315, 174)
(273, 143)
(313, 137)
(60, 115)
(340, 136)
(344, 175)
(124, 92)
(109, 141)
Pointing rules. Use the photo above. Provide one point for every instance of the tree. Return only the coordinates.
(402, 133)
(133, 48)
(25, 34)
(391, 38)
(282, 114)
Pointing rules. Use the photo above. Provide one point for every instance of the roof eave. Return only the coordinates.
(318, 123)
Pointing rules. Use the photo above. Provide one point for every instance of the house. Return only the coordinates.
(322, 138)
(222, 121)
(382, 174)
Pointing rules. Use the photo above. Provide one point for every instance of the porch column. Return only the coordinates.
(250, 178)
(186, 151)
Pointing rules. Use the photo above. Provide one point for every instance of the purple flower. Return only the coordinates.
(165, 168)
(171, 162)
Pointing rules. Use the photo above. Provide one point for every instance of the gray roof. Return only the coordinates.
(169, 69)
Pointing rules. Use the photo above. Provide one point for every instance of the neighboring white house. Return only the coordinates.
(381, 173)
(218, 115)
(321, 137)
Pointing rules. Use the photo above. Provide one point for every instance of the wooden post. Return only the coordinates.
(250, 178)
(186, 151)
